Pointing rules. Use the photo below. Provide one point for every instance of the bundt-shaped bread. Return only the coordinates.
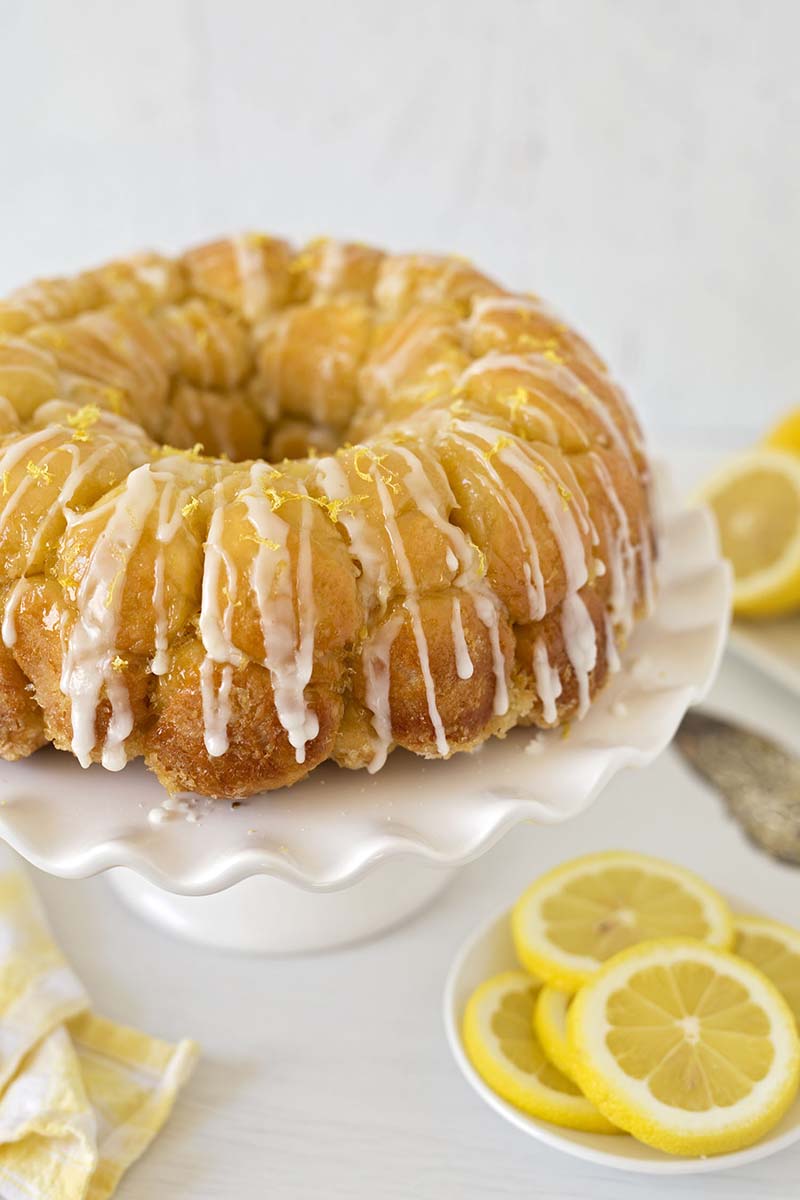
(259, 509)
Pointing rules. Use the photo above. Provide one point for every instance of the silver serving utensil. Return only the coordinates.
(758, 779)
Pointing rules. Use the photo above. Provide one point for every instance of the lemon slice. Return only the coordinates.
(689, 1048)
(786, 434)
(575, 917)
(756, 501)
(775, 950)
(550, 1027)
(501, 1045)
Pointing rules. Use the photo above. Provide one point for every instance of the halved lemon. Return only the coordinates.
(575, 917)
(756, 501)
(501, 1045)
(786, 434)
(775, 949)
(550, 1026)
(687, 1047)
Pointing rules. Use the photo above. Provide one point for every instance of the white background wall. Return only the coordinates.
(636, 161)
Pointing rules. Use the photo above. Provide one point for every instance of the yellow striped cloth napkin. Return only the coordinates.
(80, 1097)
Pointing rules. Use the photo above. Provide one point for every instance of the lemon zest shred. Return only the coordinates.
(118, 664)
(529, 341)
(82, 421)
(301, 263)
(39, 471)
(483, 565)
(371, 456)
(167, 451)
(109, 600)
(190, 507)
(332, 508)
(517, 400)
(262, 541)
(114, 397)
(387, 474)
(335, 507)
(499, 445)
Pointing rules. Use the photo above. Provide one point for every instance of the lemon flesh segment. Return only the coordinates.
(775, 949)
(786, 434)
(500, 1043)
(574, 918)
(550, 1027)
(756, 502)
(687, 1047)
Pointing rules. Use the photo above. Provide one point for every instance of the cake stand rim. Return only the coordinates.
(231, 867)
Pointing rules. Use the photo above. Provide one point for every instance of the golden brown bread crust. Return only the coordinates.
(457, 537)
(21, 718)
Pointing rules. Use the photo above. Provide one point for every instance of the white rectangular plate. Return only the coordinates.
(771, 646)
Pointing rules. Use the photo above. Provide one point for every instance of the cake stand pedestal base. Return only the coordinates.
(265, 915)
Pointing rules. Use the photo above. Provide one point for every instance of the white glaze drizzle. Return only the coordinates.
(411, 604)
(621, 553)
(215, 624)
(91, 643)
(548, 681)
(646, 566)
(531, 570)
(566, 519)
(37, 363)
(612, 653)
(137, 353)
(285, 603)
(386, 368)
(220, 338)
(166, 529)
(329, 270)
(464, 666)
(483, 598)
(68, 488)
(7, 412)
(539, 367)
(216, 702)
(255, 283)
(376, 659)
(580, 643)
(286, 609)
(486, 607)
(365, 546)
(215, 628)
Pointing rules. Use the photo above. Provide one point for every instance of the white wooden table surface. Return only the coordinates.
(330, 1076)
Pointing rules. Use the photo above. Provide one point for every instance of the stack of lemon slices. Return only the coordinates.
(643, 1006)
(755, 498)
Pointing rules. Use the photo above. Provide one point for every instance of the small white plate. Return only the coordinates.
(772, 647)
(490, 950)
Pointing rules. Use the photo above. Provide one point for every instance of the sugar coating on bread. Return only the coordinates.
(261, 508)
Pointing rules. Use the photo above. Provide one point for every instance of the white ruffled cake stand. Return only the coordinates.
(344, 855)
